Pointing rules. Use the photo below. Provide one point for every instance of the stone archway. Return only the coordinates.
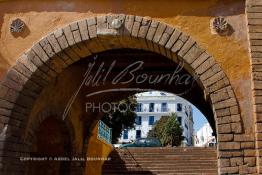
(59, 49)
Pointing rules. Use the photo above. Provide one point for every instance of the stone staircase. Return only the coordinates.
(164, 161)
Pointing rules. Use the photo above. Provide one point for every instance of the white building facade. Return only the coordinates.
(204, 136)
(151, 107)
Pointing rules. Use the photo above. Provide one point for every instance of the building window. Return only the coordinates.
(186, 126)
(164, 107)
(179, 107)
(139, 107)
(125, 134)
(179, 119)
(151, 120)
(151, 107)
(138, 134)
(138, 120)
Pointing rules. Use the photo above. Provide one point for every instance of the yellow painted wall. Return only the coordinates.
(96, 148)
(191, 16)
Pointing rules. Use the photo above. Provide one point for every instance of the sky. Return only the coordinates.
(199, 118)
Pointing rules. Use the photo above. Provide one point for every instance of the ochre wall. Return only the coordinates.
(191, 16)
(96, 148)
(55, 97)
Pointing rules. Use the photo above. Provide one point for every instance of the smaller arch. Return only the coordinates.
(66, 130)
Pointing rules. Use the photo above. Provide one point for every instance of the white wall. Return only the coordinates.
(204, 135)
(158, 98)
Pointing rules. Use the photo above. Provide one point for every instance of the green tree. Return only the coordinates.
(157, 129)
(122, 117)
(168, 131)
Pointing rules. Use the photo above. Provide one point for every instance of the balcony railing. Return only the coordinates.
(104, 132)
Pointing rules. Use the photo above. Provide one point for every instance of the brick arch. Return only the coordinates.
(67, 129)
(49, 112)
(59, 49)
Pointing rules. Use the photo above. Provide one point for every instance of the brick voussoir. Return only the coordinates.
(225, 137)
(193, 54)
(205, 65)
(129, 21)
(166, 36)
(61, 38)
(69, 36)
(223, 112)
(218, 85)
(213, 79)
(17, 77)
(152, 30)
(159, 32)
(226, 103)
(174, 37)
(136, 26)
(83, 28)
(223, 120)
(219, 95)
(19, 67)
(81, 48)
(8, 82)
(25, 101)
(210, 72)
(180, 43)
(24, 60)
(186, 47)
(145, 24)
(201, 59)
(6, 104)
(39, 64)
(58, 62)
(24, 81)
(224, 128)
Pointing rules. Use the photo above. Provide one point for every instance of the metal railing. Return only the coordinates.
(104, 132)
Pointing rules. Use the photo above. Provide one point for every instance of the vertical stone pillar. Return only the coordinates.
(254, 19)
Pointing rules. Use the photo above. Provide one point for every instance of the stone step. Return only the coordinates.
(162, 161)
(150, 173)
(166, 158)
(160, 171)
(161, 164)
(195, 167)
(163, 156)
(164, 153)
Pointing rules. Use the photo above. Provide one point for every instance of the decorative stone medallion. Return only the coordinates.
(220, 25)
(116, 23)
(17, 26)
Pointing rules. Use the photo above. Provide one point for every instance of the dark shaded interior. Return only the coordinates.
(108, 66)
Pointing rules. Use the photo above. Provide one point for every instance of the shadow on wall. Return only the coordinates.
(96, 149)
(117, 166)
(164, 8)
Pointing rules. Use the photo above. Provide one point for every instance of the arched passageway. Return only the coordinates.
(48, 59)
(52, 141)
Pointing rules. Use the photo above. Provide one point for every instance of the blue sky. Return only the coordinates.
(199, 118)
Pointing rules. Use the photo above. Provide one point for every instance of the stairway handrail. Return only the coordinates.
(137, 164)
